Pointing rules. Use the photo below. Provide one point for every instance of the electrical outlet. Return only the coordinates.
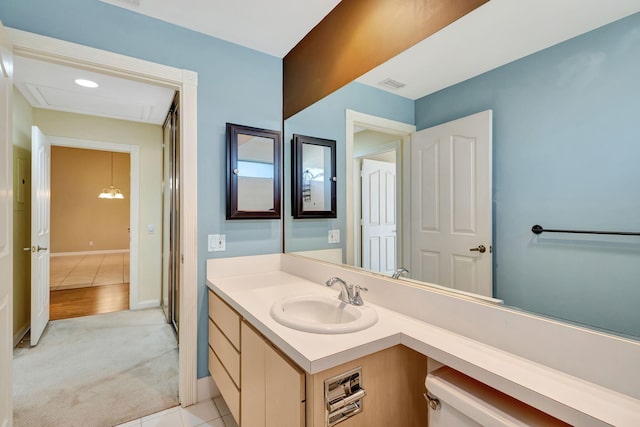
(334, 236)
(216, 242)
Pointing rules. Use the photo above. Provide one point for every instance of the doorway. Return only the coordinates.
(378, 138)
(90, 232)
(185, 82)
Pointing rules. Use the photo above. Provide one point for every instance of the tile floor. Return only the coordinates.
(83, 271)
(209, 413)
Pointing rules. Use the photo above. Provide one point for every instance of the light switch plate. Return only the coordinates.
(216, 242)
(334, 236)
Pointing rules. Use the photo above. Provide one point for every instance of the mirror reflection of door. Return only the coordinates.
(255, 173)
(451, 204)
(378, 190)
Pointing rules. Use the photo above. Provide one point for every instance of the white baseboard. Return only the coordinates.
(110, 251)
(146, 304)
(207, 389)
(20, 334)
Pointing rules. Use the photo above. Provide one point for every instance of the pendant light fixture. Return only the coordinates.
(111, 192)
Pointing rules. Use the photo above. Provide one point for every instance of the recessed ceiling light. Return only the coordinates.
(86, 83)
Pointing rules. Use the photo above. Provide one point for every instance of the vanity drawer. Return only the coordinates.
(226, 353)
(225, 318)
(225, 384)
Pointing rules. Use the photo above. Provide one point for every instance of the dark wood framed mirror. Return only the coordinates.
(314, 177)
(253, 173)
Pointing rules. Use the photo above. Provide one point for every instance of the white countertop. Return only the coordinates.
(253, 295)
(567, 397)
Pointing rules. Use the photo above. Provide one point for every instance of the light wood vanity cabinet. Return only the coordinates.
(224, 352)
(273, 388)
(263, 388)
(260, 385)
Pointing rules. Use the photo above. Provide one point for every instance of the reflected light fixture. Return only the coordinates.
(111, 192)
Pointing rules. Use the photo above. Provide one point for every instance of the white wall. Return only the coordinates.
(149, 139)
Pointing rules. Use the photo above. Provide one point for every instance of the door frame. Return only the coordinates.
(186, 83)
(403, 130)
(134, 205)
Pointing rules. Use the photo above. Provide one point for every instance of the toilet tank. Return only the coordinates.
(465, 402)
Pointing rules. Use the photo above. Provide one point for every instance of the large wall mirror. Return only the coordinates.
(253, 173)
(564, 149)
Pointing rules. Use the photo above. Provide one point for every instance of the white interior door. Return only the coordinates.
(378, 216)
(451, 204)
(6, 229)
(40, 231)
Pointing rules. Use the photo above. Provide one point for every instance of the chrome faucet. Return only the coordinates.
(398, 272)
(345, 290)
(349, 294)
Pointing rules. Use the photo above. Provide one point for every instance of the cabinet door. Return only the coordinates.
(285, 391)
(252, 379)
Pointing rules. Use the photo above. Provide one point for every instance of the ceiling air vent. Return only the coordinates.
(392, 84)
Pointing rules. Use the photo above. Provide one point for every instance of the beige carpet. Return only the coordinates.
(97, 371)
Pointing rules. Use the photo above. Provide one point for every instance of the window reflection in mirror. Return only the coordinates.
(316, 187)
(253, 173)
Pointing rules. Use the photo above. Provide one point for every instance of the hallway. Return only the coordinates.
(83, 285)
(81, 271)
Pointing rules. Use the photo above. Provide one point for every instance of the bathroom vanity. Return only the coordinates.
(263, 387)
(274, 375)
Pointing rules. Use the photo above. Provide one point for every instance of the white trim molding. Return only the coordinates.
(188, 334)
(185, 81)
(152, 303)
(17, 337)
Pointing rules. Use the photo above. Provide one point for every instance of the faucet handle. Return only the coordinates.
(357, 299)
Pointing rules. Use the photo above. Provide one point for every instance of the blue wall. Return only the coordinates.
(566, 155)
(235, 84)
(326, 119)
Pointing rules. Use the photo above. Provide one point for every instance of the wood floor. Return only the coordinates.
(87, 301)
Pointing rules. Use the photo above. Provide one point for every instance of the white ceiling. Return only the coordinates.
(52, 87)
(492, 35)
(270, 26)
(496, 33)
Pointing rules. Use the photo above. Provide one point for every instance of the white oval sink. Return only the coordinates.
(322, 314)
